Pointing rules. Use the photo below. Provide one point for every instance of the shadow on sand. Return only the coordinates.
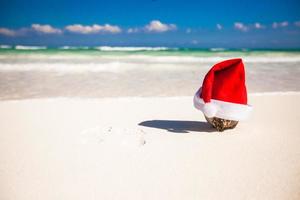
(178, 126)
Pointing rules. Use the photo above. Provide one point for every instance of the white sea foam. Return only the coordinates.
(21, 47)
(73, 47)
(199, 59)
(113, 67)
(215, 59)
(5, 47)
(217, 49)
(142, 59)
(108, 48)
(112, 63)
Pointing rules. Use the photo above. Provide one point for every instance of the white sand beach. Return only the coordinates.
(104, 100)
(147, 148)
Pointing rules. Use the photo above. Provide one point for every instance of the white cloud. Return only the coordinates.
(297, 23)
(219, 26)
(195, 42)
(47, 29)
(258, 25)
(188, 30)
(78, 28)
(241, 27)
(111, 28)
(275, 25)
(159, 27)
(133, 30)
(7, 32)
(283, 24)
(280, 24)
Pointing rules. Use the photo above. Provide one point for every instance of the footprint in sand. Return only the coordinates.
(130, 137)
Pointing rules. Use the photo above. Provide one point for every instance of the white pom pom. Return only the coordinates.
(209, 110)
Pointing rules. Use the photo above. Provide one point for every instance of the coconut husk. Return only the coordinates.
(221, 124)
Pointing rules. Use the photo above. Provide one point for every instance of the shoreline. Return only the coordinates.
(75, 98)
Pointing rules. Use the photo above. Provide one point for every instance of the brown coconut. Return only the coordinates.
(221, 124)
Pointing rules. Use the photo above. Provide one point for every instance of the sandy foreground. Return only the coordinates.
(147, 148)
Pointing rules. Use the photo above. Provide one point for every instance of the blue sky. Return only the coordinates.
(231, 24)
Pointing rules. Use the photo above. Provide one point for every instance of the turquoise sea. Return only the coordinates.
(151, 51)
(96, 72)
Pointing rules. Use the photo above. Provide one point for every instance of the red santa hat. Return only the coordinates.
(223, 93)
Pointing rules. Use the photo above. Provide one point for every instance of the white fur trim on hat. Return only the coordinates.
(209, 110)
(222, 109)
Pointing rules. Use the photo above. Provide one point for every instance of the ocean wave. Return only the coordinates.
(108, 48)
(198, 59)
(72, 47)
(120, 64)
(140, 54)
(113, 67)
(5, 47)
(21, 47)
(142, 58)
(217, 49)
